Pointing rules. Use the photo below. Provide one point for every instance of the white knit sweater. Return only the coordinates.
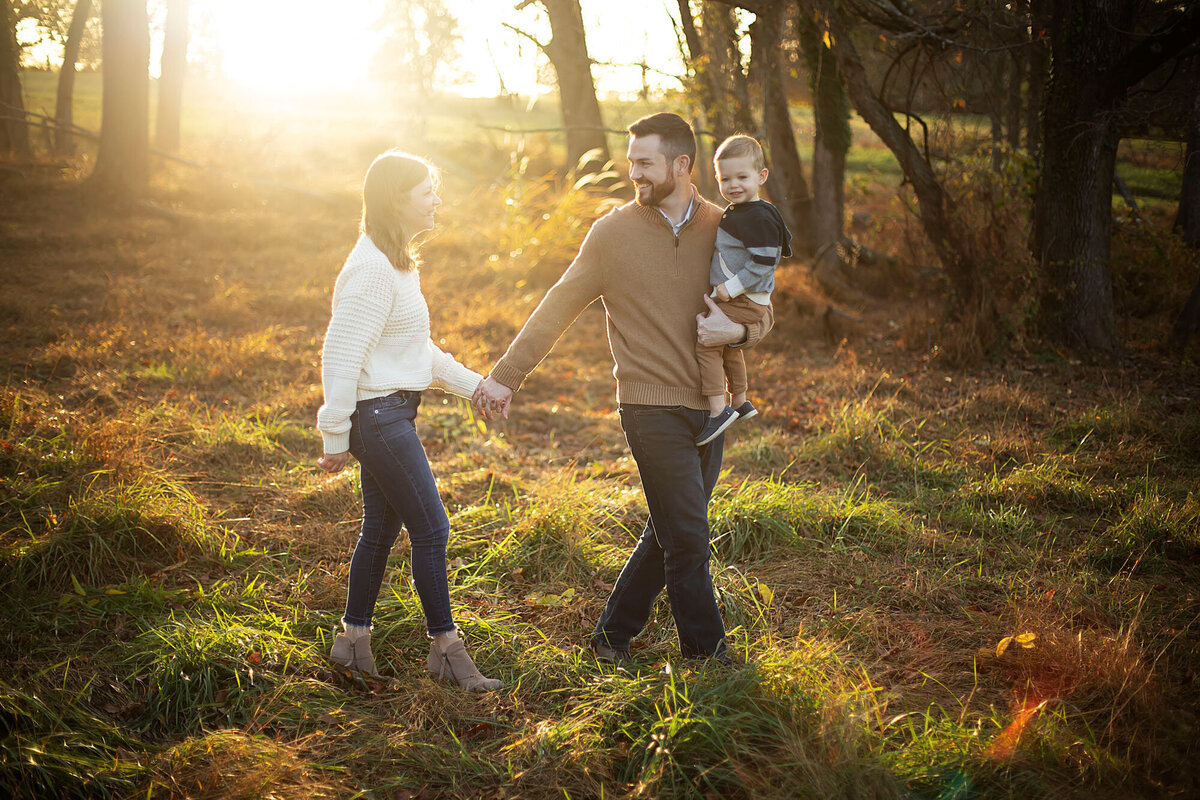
(378, 343)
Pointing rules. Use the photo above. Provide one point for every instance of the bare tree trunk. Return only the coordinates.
(1039, 65)
(720, 85)
(568, 54)
(123, 160)
(702, 90)
(996, 111)
(170, 82)
(14, 136)
(64, 106)
(742, 108)
(1015, 104)
(1187, 219)
(785, 183)
(1073, 206)
(831, 137)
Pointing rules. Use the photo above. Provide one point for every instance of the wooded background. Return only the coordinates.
(1061, 82)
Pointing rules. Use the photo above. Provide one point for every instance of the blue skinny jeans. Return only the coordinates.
(398, 488)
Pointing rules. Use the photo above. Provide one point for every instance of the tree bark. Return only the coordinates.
(1015, 104)
(996, 111)
(831, 137)
(64, 106)
(1039, 64)
(703, 91)
(1188, 322)
(728, 108)
(14, 135)
(1073, 206)
(785, 183)
(567, 51)
(170, 81)
(123, 159)
(1187, 219)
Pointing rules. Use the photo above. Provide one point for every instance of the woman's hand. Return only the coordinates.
(334, 462)
(492, 399)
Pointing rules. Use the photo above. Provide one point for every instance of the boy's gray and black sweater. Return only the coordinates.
(751, 240)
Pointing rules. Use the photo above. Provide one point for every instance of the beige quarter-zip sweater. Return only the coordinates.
(652, 283)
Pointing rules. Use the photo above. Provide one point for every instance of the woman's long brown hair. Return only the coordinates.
(390, 179)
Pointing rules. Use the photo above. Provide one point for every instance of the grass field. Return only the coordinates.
(973, 582)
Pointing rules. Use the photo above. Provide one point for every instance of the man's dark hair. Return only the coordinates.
(674, 132)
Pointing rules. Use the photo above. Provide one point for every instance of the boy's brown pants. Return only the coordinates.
(719, 363)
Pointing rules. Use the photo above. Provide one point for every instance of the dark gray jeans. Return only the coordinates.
(673, 551)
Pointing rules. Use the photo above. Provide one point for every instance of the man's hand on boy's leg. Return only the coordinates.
(715, 329)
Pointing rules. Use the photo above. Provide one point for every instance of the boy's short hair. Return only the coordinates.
(740, 145)
(675, 133)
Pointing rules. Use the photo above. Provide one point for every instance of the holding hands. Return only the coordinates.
(491, 399)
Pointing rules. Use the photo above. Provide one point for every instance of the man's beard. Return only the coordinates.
(658, 192)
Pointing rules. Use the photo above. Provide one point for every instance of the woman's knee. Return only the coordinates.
(434, 533)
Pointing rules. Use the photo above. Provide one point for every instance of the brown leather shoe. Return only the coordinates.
(452, 663)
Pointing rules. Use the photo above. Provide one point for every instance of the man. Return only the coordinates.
(648, 261)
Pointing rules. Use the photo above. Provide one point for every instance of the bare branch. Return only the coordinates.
(527, 35)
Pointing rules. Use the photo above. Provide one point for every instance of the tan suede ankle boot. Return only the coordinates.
(449, 662)
(354, 653)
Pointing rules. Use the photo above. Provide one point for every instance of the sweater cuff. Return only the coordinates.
(508, 375)
(336, 442)
(734, 286)
(755, 331)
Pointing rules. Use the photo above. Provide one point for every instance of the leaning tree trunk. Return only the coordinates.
(785, 183)
(123, 160)
(64, 107)
(831, 137)
(14, 136)
(568, 54)
(933, 205)
(170, 82)
(1187, 219)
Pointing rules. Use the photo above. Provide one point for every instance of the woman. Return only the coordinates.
(377, 359)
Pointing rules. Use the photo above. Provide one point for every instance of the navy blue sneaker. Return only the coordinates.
(746, 410)
(715, 426)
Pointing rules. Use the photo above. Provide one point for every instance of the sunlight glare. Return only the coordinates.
(297, 46)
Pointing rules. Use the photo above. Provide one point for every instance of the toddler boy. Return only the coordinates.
(751, 240)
